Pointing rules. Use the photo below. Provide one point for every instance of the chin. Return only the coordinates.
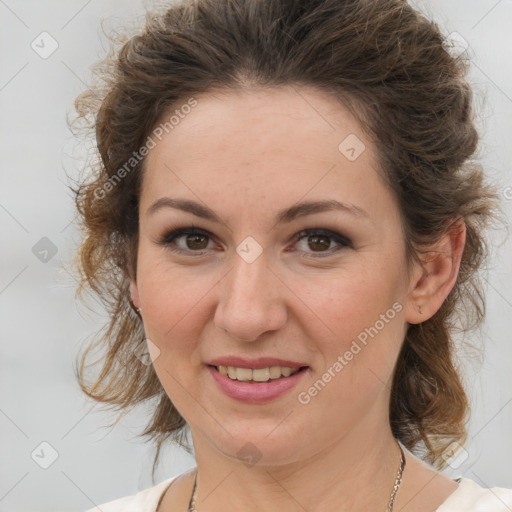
(263, 445)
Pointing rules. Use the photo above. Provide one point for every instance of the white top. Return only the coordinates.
(469, 497)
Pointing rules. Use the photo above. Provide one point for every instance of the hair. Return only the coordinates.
(384, 61)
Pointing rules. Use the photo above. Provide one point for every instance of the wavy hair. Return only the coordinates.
(383, 60)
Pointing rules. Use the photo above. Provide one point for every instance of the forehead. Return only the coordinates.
(262, 144)
(279, 118)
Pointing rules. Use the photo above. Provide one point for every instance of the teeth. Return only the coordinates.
(258, 374)
(243, 373)
(261, 374)
(275, 372)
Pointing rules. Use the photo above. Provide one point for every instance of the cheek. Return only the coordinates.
(352, 302)
(173, 315)
(363, 311)
(357, 363)
(173, 304)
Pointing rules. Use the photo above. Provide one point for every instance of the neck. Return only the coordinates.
(356, 473)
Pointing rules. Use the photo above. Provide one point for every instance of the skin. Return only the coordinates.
(247, 155)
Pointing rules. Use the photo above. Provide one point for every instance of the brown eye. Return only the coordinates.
(196, 241)
(186, 240)
(319, 241)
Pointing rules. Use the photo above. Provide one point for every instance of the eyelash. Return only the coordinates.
(171, 236)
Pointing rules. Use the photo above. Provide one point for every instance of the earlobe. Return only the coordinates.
(134, 292)
(437, 275)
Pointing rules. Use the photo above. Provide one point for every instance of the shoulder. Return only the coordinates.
(144, 501)
(471, 497)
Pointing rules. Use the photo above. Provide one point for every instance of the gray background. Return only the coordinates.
(42, 326)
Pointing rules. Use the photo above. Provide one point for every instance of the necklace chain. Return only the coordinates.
(398, 480)
(396, 485)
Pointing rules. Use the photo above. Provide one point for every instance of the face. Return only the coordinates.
(319, 288)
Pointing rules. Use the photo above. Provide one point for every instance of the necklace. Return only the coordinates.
(396, 485)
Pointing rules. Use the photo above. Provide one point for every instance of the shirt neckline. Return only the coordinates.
(463, 483)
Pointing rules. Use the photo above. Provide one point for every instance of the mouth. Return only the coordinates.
(257, 375)
(256, 385)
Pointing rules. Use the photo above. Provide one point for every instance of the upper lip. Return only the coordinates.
(260, 362)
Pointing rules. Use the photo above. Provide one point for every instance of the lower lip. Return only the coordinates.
(255, 392)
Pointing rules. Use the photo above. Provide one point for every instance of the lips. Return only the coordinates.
(251, 379)
(252, 392)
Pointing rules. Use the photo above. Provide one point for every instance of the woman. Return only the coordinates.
(284, 224)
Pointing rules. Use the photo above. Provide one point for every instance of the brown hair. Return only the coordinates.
(383, 60)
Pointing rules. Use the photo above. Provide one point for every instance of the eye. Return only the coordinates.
(319, 241)
(195, 240)
(192, 240)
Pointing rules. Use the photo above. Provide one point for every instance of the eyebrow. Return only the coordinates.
(287, 215)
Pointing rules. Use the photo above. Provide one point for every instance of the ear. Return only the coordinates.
(134, 292)
(434, 280)
(131, 256)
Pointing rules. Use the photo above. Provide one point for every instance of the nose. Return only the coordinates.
(250, 300)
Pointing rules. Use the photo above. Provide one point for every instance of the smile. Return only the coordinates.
(256, 386)
(257, 374)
